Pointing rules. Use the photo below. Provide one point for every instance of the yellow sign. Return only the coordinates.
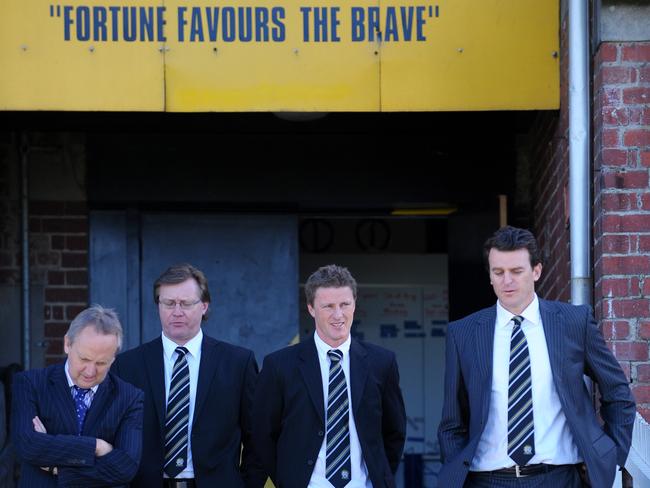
(279, 55)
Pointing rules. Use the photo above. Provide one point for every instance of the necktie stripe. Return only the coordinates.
(521, 389)
(513, 418)
(519, 425)
(521, 434)
(337, 446)
(335, 463)
(183, 390)
(337, 392)
(177, 416)
(180, 385)
(342, 442)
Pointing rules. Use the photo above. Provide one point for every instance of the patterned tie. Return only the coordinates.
(80, 406)
(521, 433)
(177, 417)
(337, 453)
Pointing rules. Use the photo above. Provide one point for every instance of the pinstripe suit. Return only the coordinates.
(575, 347)
(115, 416)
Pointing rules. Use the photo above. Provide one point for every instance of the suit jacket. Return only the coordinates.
(221, 422)
(288, 418)
(115, 416)
(576, 348)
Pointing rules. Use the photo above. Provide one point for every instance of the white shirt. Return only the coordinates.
(359, 478)
(88, 399)
(193, 357)
(554, 443)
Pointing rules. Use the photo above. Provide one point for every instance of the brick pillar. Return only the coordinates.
(59, 250)
(622, 207)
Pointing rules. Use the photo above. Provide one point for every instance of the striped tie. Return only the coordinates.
(521, 433)
(337, 452)
(176, 419)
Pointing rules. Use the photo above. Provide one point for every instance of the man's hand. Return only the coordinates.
(38, 425)
(102, 448)
(40, 428)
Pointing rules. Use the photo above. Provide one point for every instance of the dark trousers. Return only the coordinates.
(564, 477)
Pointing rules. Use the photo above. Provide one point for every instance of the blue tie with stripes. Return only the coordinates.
(337, 452)
(177, 417)
(521, 433)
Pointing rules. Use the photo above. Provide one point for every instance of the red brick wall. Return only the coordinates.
(622, 206)
(58, 247)
(550, 163)
(59, 252)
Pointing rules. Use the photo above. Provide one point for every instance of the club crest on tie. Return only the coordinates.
(180, 462)
(345, 474)
(528, 450)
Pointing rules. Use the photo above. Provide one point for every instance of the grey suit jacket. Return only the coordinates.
(576, 348)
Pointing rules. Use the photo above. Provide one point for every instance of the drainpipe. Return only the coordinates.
(579, 153)
(24, 199)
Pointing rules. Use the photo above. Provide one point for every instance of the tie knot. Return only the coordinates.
(517, 319)
(82, 392)
(335, 355)
(182, 351)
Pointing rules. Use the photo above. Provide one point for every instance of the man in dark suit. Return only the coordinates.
(515, 399)
(73, 424)
(329, 411)
(198, 394)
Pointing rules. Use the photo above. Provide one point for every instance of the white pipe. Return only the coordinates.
(579, 154)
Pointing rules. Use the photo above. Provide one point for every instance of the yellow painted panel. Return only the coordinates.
(253, 55)
(478, 55)
(260, 74)
(41, 70)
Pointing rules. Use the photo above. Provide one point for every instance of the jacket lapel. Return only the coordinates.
(153, 358)
(484, 343)
(484, 350)
(99, 405)
(207, 368)
(310, 371)
(358, 373)
(552, 324)
(63, 399)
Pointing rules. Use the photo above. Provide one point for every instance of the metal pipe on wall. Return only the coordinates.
(24, 208)
(579, 152)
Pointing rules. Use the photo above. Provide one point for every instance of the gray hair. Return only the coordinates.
(104, 320)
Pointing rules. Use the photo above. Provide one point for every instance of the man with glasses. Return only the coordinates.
(198, 393)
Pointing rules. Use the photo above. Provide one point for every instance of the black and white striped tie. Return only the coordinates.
(177, 417)
(521, 433)
(337, 460)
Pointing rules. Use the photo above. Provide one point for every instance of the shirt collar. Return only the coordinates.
(70, 382)
(323, 347)
(193, 345)
(530, 313)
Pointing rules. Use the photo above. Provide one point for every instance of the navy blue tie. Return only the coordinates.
(521, 433)
(337, 451)
(177, 416)
(80, 406)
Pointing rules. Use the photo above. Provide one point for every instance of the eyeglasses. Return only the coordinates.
(171, 304)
